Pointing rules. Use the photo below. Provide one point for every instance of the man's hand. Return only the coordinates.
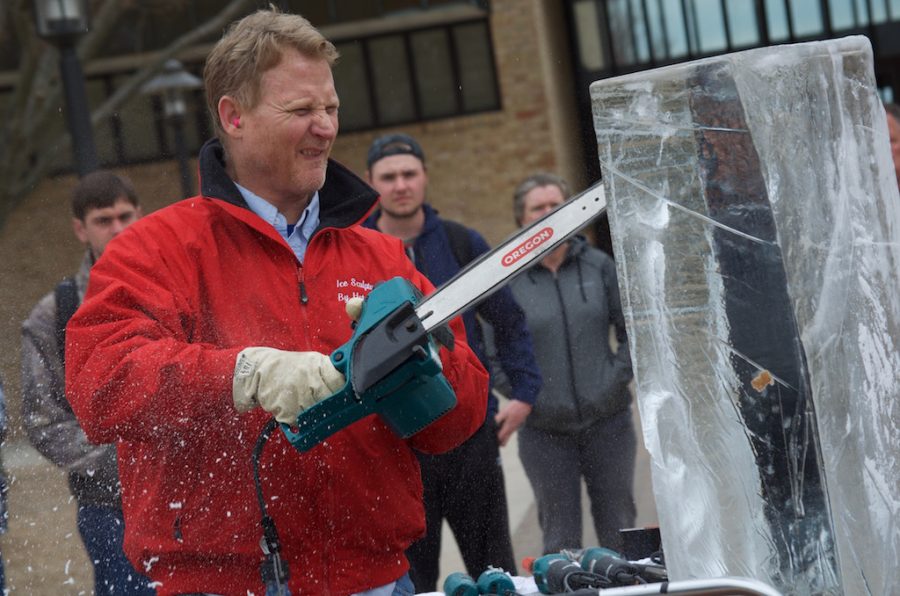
(510, 418)
(283, 383)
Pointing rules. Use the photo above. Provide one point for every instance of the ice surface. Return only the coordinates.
(756, 222)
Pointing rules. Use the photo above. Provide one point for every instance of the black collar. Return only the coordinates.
(344, 199)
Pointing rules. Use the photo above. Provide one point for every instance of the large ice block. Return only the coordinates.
(755, 218)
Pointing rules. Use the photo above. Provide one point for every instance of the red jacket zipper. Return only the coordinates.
(304, 298)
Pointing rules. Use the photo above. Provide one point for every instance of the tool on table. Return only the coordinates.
(496, 581)
(594, 568)
(391, 362)
(618, 571)
(557, 573)
(460, 584)
(492, 581)
(615, 565)
(588, 557)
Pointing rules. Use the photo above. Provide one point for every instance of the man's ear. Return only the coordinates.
(80, 232)
(369, 176)
(229, 115)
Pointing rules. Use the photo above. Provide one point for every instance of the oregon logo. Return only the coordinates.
(526, 247)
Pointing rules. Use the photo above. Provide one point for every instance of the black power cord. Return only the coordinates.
(274, 569)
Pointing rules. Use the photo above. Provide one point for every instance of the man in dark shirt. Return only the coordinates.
(466, 485)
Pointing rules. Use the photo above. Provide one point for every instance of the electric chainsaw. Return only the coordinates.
(391, 362)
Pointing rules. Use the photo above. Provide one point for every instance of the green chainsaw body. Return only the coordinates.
(392, 369)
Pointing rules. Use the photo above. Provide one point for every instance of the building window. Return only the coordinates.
(615, 36)
(433, 67)
(352, 80)
(591, 54)
(742, 26)
(330, 12)
(411, 76)
(478, 81)
(401, 61)
(806, 16)
(777, 15)
(10, 45)
(708, 18)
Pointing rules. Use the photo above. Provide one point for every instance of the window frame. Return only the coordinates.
(409, 65)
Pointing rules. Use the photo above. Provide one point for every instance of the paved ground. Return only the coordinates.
(42, 550)
(43, 553)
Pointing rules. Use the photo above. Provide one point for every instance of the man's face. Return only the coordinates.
(894, 130)
(102, 225)
(281, 148)
(540, 201)
(401, 182)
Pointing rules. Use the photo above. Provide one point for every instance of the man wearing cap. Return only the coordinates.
(466, 485)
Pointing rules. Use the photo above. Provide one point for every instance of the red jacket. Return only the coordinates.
(149, 362)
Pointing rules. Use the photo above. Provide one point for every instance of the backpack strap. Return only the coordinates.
(460, 242)
(66, 304)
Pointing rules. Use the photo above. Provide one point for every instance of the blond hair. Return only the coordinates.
(249, 48)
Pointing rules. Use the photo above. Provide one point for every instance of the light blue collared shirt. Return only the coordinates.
(298, 235)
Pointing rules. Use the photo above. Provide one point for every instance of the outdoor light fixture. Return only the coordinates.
(62, 22)
(57, 19)
(170, 85)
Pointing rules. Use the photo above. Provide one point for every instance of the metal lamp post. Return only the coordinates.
(61, 22)
(171, 84)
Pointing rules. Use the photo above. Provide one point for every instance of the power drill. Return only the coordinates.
(616, 567)
(592, 568)
(551, 572)
(460, 584)
(491, 581)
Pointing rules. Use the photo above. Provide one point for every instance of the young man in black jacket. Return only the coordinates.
(465, 486)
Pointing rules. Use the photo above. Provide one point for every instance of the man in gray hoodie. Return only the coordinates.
(103, 204)
(581, 425)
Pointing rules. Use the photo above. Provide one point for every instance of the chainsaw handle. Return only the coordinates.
(322, 420)
(391, 367)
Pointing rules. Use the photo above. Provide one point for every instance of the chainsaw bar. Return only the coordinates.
(492, 270)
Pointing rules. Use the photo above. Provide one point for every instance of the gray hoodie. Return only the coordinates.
(49, 421)
(569, 315)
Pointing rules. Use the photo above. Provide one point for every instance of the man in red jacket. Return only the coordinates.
(207, 318)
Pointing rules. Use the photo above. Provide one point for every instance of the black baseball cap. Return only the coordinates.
(394, 144)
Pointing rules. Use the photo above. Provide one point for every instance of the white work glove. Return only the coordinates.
(354, 308)
(283, 383)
